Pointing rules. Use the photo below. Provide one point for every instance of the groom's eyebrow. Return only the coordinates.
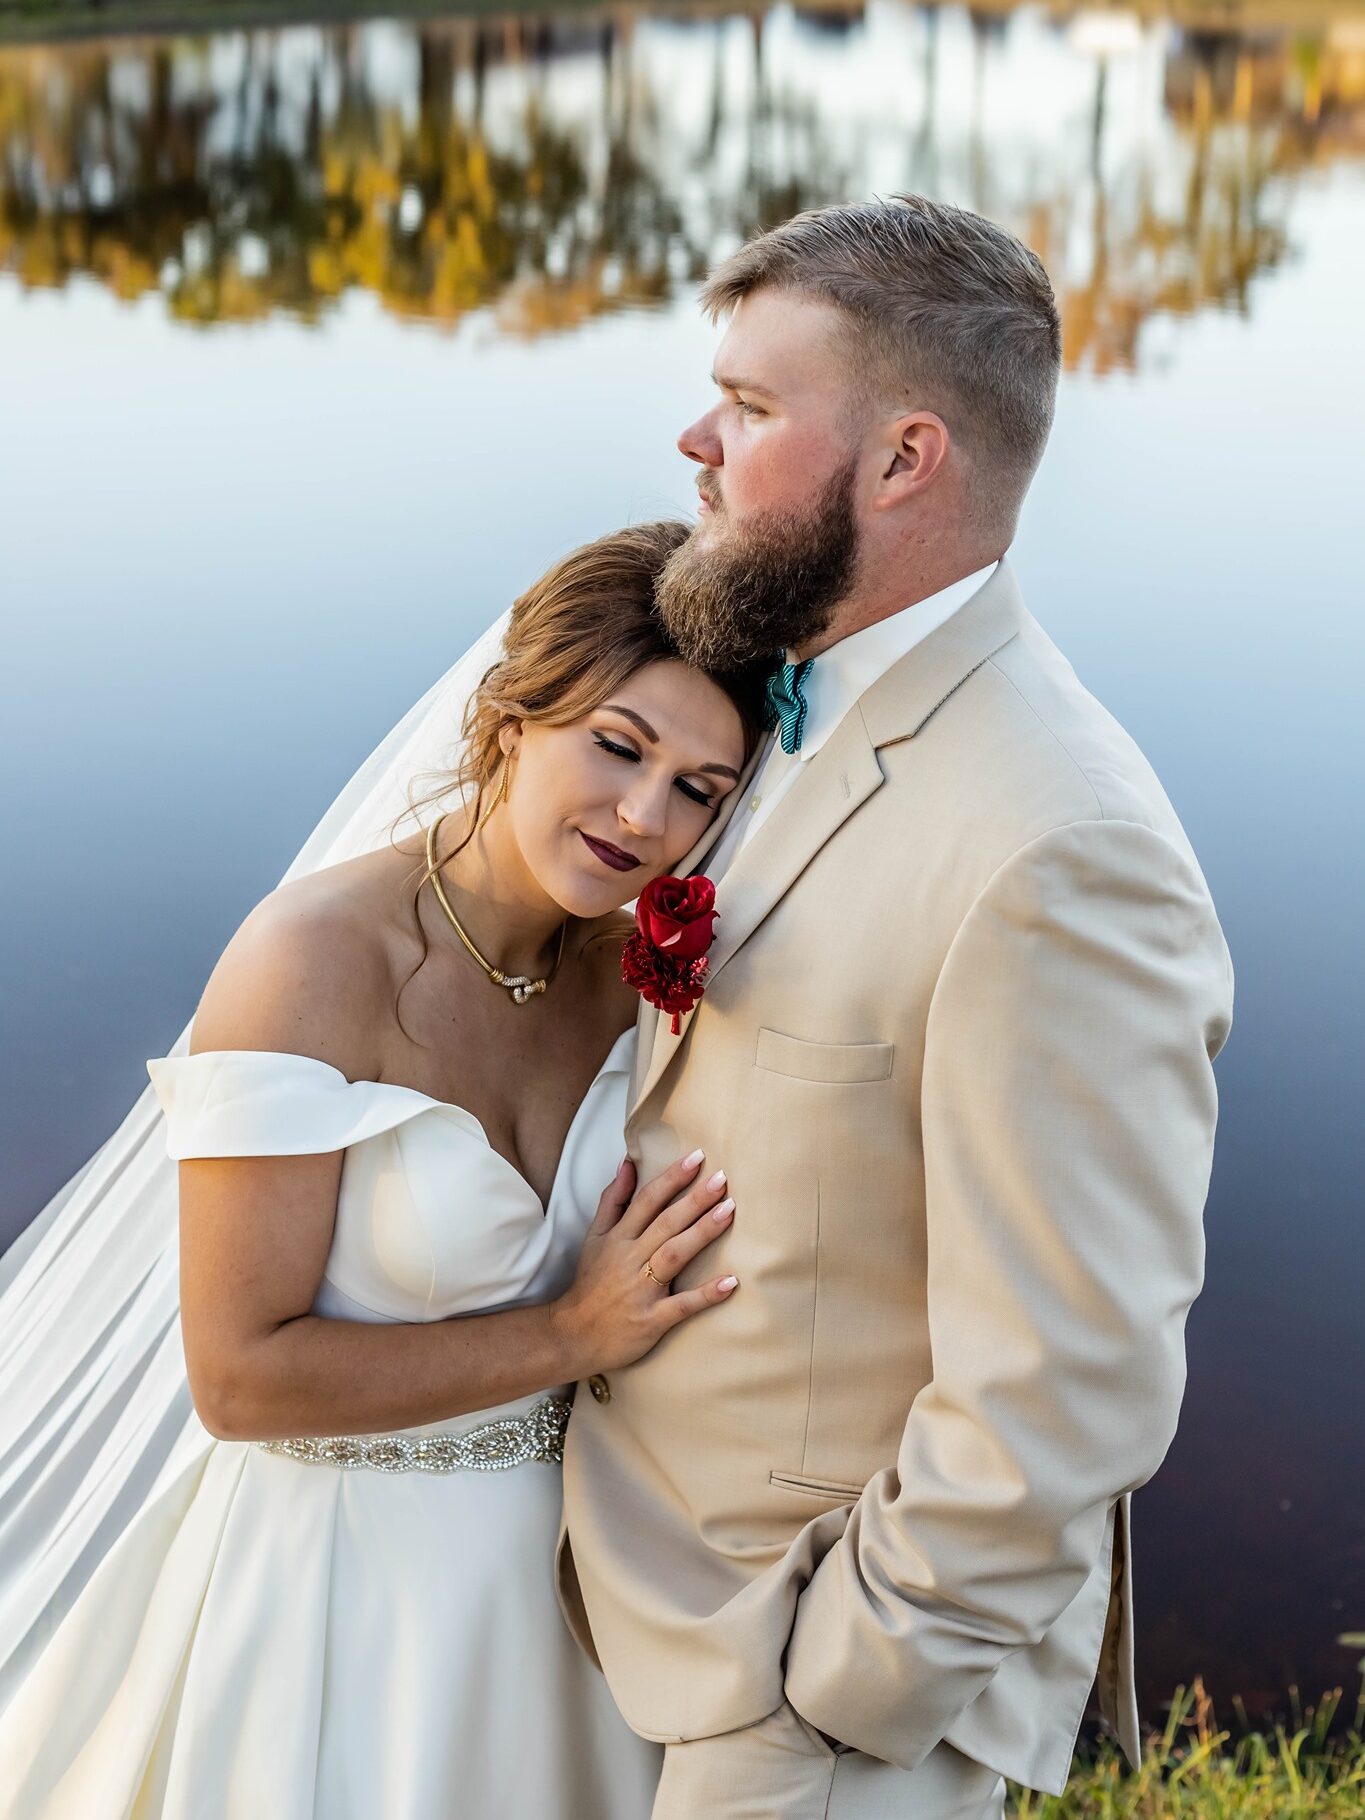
(615, 707)
(729, 383)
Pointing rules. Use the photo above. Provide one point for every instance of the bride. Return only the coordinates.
(327, 1588)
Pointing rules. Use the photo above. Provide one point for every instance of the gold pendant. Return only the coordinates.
(522, 987)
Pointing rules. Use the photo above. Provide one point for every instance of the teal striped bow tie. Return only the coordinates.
(787, 705)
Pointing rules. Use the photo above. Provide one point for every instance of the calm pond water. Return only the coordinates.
(317, 344)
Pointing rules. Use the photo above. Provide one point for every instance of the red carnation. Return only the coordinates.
(665, 960)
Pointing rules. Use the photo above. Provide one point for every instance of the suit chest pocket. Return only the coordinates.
(838, 1064)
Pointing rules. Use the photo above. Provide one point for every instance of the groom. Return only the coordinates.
(857, 1544)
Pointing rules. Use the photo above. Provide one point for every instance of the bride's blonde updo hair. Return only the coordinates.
(585, 627)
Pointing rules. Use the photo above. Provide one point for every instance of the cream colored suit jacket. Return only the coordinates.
(955, 1055)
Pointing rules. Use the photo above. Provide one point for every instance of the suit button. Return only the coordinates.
(599, 1387)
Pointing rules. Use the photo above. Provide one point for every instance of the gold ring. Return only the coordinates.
(649, 1272)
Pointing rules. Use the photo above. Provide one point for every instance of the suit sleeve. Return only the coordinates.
(1068, 1109)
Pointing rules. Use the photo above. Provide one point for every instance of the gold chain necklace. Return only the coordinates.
(522, 987)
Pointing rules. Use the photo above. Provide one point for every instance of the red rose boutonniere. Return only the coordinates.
(665, 960)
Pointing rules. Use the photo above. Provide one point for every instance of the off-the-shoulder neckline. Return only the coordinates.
(609, 1066)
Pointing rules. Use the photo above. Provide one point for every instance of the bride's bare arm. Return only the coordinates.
(255, 1233)
(254, 1237)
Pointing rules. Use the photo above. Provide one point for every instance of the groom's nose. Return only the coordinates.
(700, 442)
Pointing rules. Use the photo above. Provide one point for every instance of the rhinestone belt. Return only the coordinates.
(515, 1441)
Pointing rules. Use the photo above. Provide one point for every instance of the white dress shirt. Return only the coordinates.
(841, 674)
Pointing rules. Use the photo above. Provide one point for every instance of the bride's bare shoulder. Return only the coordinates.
(599, 949)
(306, 972)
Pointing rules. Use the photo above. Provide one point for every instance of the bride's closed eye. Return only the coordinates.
(690, 790)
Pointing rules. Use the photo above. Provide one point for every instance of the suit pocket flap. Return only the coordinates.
(818, 1488)
(834, 1062)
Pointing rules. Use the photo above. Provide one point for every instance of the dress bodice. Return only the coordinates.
(431, 1220)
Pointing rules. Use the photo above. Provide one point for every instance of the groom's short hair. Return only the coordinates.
(944, 309)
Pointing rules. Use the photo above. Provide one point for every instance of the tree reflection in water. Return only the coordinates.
(564, 168)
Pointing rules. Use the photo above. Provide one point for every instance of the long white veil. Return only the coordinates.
(94, 1403)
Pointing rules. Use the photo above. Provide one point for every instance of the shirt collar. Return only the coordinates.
(849, 668)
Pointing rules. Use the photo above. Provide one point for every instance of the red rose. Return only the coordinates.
(665, 960)
(675, 916)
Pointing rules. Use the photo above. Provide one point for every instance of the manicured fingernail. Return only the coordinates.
(724, 1211)
(690, 1162)
(726, 1284)
(717, 1180)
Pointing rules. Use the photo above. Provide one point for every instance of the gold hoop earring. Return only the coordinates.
(501, 797)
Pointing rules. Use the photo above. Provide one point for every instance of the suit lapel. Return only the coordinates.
(825, 792)
(650, 1021)
(841, 776)
(837, 781)
(845, 771)
(901, 703)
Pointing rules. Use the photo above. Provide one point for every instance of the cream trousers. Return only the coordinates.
(782, 1769)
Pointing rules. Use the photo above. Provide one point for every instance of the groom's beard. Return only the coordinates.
(777, 583)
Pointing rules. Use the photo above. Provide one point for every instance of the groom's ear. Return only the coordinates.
(916, 449)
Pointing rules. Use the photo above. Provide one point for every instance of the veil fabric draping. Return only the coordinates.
(94, 1401)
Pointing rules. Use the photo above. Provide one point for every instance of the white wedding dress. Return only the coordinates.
(277, 1637)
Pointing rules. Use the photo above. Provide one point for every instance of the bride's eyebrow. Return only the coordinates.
(615, 707)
